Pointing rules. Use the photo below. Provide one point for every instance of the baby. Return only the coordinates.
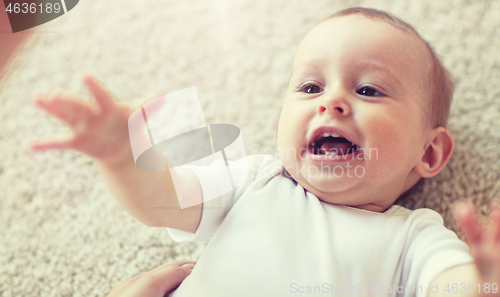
(364, 119)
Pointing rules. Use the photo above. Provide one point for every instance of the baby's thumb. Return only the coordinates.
(153, 102)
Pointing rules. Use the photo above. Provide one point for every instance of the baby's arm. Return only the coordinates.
(101, 131)
(483, 277)
(460, 280)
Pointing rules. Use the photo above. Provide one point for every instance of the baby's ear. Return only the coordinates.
(438, 149)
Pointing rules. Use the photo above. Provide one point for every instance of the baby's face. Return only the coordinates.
(351, 129)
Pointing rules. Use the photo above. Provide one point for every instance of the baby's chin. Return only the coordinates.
(328, 185)
(348, 192)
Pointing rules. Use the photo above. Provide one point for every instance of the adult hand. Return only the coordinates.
(155, 283)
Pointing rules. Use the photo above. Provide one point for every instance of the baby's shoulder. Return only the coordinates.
(421, 223)
(264, 165)
(419, 214)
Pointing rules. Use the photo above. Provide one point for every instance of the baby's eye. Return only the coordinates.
(369, 92)
(311, 89)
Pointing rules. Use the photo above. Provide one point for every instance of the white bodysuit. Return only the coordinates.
(271, 237)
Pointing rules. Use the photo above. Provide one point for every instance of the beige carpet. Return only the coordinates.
(62, 233)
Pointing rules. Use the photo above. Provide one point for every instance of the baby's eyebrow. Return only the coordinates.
(315, 67)
(309, 66)
(369, 65)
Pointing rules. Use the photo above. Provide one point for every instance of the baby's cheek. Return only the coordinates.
(389, 144)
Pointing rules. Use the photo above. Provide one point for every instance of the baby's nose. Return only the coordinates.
(335, 106)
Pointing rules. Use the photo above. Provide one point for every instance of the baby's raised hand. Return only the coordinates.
(99, 130)
(484, 244)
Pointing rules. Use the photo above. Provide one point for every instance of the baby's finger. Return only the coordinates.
(494, 223)
(65, 108)
(467, 220)
(53, 143)
(102, 96)
(154, 103)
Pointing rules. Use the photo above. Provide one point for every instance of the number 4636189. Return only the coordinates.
(470, 288)
(33, 8)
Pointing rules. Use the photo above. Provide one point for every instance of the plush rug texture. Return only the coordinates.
(63, 234)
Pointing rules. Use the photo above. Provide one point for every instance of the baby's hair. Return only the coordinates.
(440, 81)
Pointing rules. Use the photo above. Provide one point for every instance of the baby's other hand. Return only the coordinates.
(483, 241)
(100, 130)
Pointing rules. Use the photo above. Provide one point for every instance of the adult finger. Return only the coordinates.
(101, 95)
(167, 278)
(173, 264)
(466, 218)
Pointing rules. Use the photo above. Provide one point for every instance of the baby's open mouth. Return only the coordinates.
(327, 144)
